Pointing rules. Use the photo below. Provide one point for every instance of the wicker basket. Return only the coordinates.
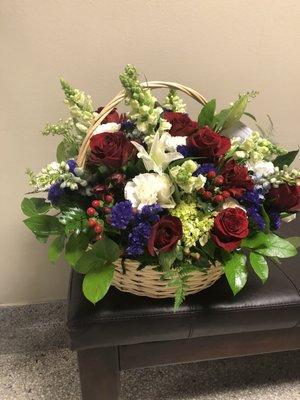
(147, 281)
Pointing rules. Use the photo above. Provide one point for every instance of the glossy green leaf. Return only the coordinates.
(254, 241)
(235, 271)
(285, 159)
(295, 240)
(106, 249)
(75, 247)
(61, 152)
(97, 282)
(166, 260)
(55, 249)
(34, 206)
(207, 113)
(277, 247)
(44, 225)
(87, 262)
(259, 265)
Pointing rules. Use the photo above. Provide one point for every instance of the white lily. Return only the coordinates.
(158, 158)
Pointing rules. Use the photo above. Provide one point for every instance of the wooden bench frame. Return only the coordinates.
(100, 368)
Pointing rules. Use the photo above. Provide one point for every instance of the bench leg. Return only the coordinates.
(99, 373)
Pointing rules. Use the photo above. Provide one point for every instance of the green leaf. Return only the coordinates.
(87, 262)
(220, 119)
(277, 247)
(266, 219)
(295, 240)
(106, 249)
(250, 115)
(257, 240)
(44, 225)
(34, 206)
(61, 152)
(55, 249)
(235, 271)
(75, 220)
(97, 282)
(75, 247)
(260, 266)
(166, 260)
(236, 111)
(207, 113)
(285, 159)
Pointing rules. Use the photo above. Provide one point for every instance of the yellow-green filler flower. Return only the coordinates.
(196, 225)
(183, 176)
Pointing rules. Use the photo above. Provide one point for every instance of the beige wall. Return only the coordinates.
(220, 47)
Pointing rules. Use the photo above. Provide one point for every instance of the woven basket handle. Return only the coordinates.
(120, 96)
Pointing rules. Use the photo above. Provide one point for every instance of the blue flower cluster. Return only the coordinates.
(205, 168)
(72, 165)
(253, 201)
(55, 192)
(275, 220)
(182, 149)
(121, 214)
(141, 231)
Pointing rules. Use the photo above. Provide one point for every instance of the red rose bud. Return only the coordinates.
(98, 229)
(207, 195)
(230, 227)
(218, 198)
(92, 222)
(211, 174)
(207, 143)
(109, 198)
(181, 123)
(107, 210)
(91, 212)
(117, 179)
(96, 203)
(236, 179)
(111, 149)
(164, 235)
(99, 189)
(218, 180)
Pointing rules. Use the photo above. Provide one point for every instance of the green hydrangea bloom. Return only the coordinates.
(196, 225)
(183, 176)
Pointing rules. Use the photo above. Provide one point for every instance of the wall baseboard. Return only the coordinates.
(33, 327)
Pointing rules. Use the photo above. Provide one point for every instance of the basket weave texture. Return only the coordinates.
(147, 281)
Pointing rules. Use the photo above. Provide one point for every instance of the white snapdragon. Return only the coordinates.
(150, 188)
(159, 157)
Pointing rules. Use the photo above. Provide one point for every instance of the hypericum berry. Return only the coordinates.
(201, 190)
(218, 198)
(107, 210)
(98, 229)
(99, 237)
(109, 198)
(211, 174)
(92, 222)
(91, 212)
(219, 180)
(225, 194)
(207, 195)
(96, 203)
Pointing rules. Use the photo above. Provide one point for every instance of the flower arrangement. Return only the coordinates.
(164, 190)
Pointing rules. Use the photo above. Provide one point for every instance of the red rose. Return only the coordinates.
(207, 143)
(164, 235)
(285, 197)
(230, 227)
(236, 179)
(182, 125)
(110, 149)
(113, 116)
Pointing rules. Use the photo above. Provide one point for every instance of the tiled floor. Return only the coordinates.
(53, 375)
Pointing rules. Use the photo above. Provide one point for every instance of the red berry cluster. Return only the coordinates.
(213, 190)
(97, 209)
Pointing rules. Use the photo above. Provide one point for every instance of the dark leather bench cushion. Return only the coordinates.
(122, 318)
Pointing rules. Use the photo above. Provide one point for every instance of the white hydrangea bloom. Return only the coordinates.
(150, 188)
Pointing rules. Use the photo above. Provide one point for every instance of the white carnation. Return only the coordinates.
(111, 127)
(261, 168)
(150, 188)
(173, 141)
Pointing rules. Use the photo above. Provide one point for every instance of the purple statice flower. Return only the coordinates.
(254, 198)
(275, 220)
(127, 125)
(138, 238)
(182, 149)
(121, 214)
(72, 165)
(149, 214)
(254, 215)
(205, 168)
(55, 192)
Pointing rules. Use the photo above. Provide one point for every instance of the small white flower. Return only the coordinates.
(173, 141)
(261, 168)
(111, 127)
(231, 203)
(158, 158)
(150, 188)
